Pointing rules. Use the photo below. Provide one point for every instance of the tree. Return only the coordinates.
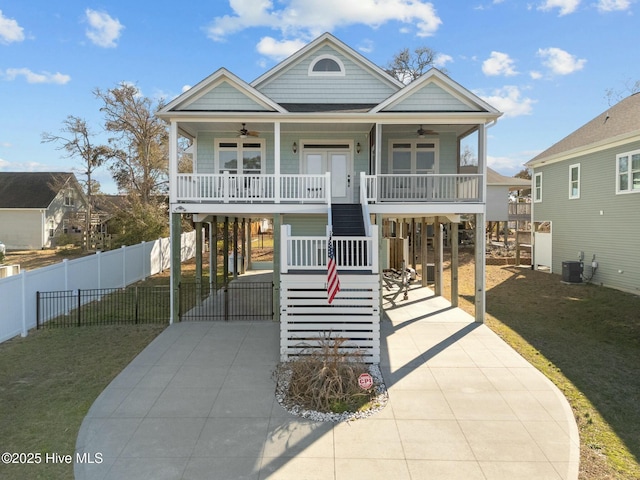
(407, 66)
(141, 139)
(524, 173)
(138, 221)
(77, 142)
(614, 96)
(468, 157)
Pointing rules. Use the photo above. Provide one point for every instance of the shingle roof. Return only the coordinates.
(495, 178)
(619, 120)
(30, 189)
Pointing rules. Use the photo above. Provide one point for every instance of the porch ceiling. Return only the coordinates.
(192, 128)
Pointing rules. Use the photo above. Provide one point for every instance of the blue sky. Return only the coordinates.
(547, 64)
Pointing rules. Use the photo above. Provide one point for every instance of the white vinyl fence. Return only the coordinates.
(113, 269)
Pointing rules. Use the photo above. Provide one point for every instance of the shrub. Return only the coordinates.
(326, 379)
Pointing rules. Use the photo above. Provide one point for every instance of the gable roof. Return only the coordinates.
(32, 189)
(619, 123)
(326, 38)
(495, 178)
(194, 99)
(458, 97)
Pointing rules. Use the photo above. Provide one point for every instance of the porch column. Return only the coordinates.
(276, 158)
(382, 257)
(413, 243)
(423, 248)
(437, 246)
(277, 255)
(213, 271)
(243, 243)
(212, 249)
(225, 247)
(479, 242)
(454, 264)
(199, 260)
(235, 248)
(249, 242)
(175, 272)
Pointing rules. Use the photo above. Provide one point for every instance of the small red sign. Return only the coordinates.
(365, 381)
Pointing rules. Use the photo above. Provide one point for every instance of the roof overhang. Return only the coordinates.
(614, 142)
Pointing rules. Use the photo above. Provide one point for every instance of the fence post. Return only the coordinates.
(137, 298)
(37, 310)
(144, 271)
(124, 265)
(79, 304)
(24, 304)
(226, 302)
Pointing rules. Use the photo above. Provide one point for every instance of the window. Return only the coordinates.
(326, 65)
(574, 181)
(537, 187)
(628, 172)
(68, 198)
(413, 157)
(240, 157)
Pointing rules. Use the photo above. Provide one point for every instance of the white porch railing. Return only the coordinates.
(423, 188)
(310, 253)
(267, 188)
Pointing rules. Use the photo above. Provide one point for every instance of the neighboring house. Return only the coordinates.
(586, 199)
(37, 207)
(325, 142)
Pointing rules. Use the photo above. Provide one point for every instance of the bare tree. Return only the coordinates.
(141, 139)
(407, 66)
(76, 141)
(613, 96)
(468, 157)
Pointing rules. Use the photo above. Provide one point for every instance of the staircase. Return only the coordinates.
(347, 220)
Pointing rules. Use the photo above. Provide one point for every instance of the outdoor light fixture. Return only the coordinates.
(294, 147)
(358, 148)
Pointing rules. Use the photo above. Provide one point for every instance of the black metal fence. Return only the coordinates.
(103, 306)
(235, 301)
(133, 305)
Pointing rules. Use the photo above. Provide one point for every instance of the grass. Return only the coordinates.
(586, 339)
(48, 382)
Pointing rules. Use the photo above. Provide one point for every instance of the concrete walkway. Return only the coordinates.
(198, 403)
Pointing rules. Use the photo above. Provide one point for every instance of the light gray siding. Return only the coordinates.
(598, 223)
(358, 85)
(497, 203)
(430, 98)
(225, 97)
(312, 225)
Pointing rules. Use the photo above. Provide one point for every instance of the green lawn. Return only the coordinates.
(586, 339)
(48, 381)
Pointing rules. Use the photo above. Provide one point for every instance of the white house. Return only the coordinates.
(326, 141)
(36, 207)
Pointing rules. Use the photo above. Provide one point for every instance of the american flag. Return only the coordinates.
(333, 282)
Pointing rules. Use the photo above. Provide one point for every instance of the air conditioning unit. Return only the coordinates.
(572, 272)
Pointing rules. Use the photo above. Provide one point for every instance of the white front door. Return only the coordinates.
(340, 165)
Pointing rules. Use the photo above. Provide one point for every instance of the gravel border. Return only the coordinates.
(381, 400)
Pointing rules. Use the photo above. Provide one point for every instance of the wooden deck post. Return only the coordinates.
(480, 296)
(423, 248)
(235, 248)
(437, 240)
(454, 264)
(199, 260)
(277, 255)
(225, 247)
(176, 266)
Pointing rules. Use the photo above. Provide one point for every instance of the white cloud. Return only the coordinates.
(565, 6)
(499, 64)
(441, 60)
(103, 30)
(559, 61)
(185, 88)
(366, 46)
(613, 5)
(510, 101)
(306, 19)
(5, 145)
(10, 31)
(32, 77)
(535, 75)
(272, 48)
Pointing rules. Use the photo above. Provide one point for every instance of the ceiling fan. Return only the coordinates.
(421, 132)
(244, 133)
